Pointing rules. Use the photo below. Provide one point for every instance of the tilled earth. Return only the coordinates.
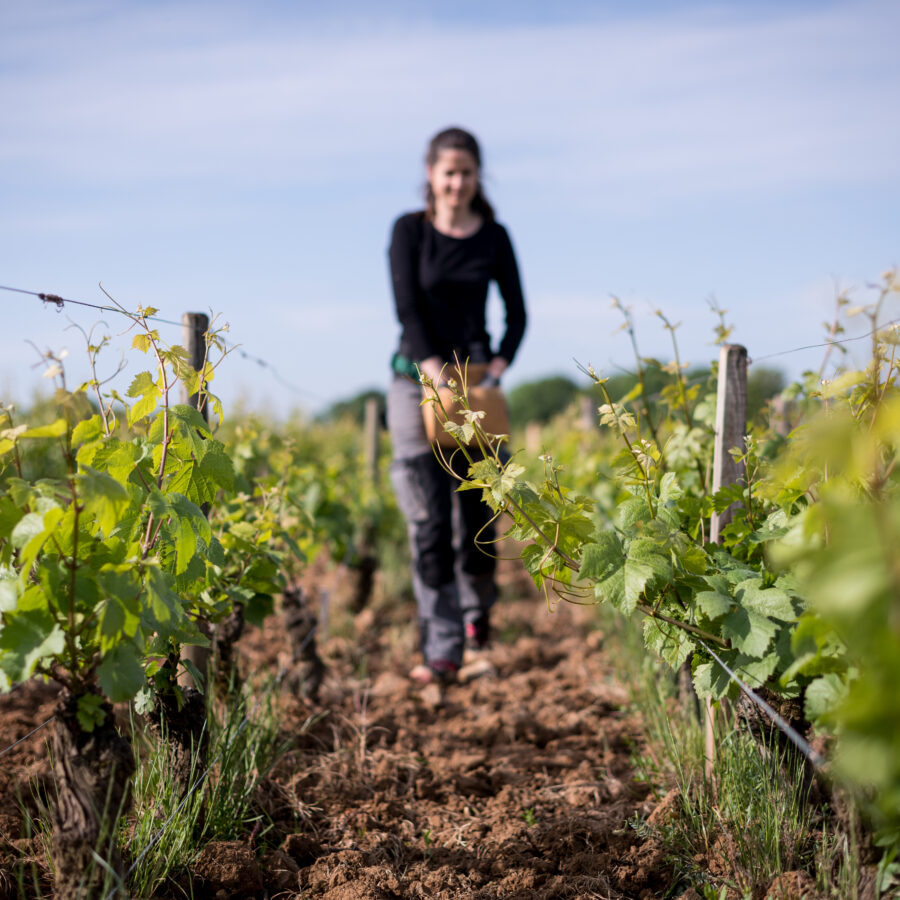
(517, 784)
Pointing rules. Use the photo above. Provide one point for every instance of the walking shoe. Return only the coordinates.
(478, 633)
(438, 671)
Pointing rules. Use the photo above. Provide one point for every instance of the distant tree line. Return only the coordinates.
(541, 400)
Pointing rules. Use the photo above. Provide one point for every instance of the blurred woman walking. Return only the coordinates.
(442, 260)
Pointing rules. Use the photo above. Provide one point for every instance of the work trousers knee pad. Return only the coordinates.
(423, 491)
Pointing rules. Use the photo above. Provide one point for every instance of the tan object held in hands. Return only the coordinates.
(489, 400)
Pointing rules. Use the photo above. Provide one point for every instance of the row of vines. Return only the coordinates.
(130, 531)
(133, 532)
(800, 597)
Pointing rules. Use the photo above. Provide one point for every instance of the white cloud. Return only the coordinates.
(667, 106)
(222, 154)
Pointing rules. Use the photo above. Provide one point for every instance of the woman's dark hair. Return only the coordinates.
(457, 139)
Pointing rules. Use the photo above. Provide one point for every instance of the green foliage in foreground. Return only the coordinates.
(801, 597)
(99, 566)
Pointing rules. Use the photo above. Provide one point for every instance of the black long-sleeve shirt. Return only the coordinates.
(441, 284)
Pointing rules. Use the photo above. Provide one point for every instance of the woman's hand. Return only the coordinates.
(433, 367)
(497, 366)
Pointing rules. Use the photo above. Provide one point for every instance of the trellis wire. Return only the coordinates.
(60, 302)
(12, 746)
(791, 733)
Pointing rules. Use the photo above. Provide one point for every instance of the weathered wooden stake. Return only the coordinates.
(731, 426)
(533, 438)
(588, 410)
(780, 419)
(371, 438)
(193, 330)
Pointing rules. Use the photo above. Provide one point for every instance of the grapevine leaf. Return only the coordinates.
(653, 555)
(194, 672)
(824, 695)
(145, 700)
(90, 712)
(141, 384)
(26, 638)
(690, 556)
(713, 604)
(601, 558)
(87, 430)
(35, 542)
(112, 619)
(216, 554)
(612, 589)
(120, 672)
(117, 620)
(20, 491)
(193, 578)
(164, 611)
(711, 680)
(632, 512)
(191, 419)
(748, 631)
(216, 404)
(53, 430)
(28, 527)
(258, 608)
(144, 387)
(672, 644)
(34, 598)
(770, 602)
(9, 591)
(533, 558)
(670, 493)
(50, 580)
(104, 498)
(10, 515)
(217, 466)
(575, 528)
(185, 545)
(816, 649)
(183, 482)
(636, 574)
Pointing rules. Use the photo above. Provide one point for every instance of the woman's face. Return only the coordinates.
(454, 179)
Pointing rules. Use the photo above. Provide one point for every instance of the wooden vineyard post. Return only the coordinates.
(588, 411)
(781, 415)
(371, 439)
(193, 336)
(731, 426)
(533, 438)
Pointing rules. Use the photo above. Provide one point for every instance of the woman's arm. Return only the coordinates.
(506, 274)
(404, 261)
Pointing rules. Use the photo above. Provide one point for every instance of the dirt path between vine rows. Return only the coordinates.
(518, 785)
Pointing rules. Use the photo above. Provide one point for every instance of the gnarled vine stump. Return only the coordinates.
(93, 770)
(184, 732)
(308, 670)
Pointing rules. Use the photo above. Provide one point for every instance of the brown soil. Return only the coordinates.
(515, 785)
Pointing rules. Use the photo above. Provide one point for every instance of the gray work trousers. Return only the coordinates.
(453, 577)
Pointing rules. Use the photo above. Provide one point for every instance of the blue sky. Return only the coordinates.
(249, 158)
